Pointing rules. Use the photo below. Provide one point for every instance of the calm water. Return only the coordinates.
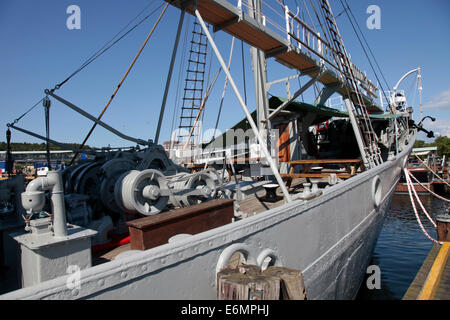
(402, 247)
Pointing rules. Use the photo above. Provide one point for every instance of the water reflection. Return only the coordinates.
(402, 247)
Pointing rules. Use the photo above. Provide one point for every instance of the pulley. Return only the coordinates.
(156, 158)
(193, 189)
(144, 192)
(109, 174)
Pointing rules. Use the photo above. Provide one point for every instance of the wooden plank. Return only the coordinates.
(152, 231)
(312, 175)
(292, 283)
(248, 282)
(320, 161)
(416, 286)
(432, 281)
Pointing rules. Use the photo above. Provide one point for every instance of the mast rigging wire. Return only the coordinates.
(94, 56)
(122, 80)
(108, 46)
(367, 44)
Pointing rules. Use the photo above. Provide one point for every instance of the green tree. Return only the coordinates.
(443, 146)
(419, 144)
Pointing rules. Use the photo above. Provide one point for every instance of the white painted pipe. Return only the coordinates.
(53, 182)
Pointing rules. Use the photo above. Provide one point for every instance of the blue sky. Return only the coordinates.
(39, 51)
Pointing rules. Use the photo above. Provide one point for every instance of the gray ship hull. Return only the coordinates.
(329, 238)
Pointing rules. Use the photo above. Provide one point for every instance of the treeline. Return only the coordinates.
(442, 143)
(25, 146)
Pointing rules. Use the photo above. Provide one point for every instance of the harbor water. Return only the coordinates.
(402, 247)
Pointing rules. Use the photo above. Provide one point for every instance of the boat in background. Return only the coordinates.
(431, 172)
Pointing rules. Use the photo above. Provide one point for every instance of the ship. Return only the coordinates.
(308, 188)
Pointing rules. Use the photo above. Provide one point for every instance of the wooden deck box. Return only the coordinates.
(153, 231)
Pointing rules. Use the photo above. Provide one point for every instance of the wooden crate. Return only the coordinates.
(153, 231)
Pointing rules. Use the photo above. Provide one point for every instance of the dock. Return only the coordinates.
(432, 282)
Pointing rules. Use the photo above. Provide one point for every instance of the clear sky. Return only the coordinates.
(39, 51)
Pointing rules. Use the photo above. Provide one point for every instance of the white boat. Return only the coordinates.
(327, 232)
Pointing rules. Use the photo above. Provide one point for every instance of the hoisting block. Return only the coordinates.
(443, 227)
(248, 282)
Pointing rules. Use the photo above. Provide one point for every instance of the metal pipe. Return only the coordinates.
(53, 182)
(94, 119)
(244, 108)
(403, 78)
(169, 76)
(62, 145)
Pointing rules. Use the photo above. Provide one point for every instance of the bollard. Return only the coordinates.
(443, 227)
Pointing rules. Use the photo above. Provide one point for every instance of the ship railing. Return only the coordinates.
(336, 103)
(305, 38)
(299, 34)
(390, 95)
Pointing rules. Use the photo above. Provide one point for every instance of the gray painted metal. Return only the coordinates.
(329, 238)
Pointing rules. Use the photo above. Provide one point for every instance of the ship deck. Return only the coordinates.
(248, 207)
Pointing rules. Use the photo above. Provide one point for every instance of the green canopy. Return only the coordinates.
(322, 112)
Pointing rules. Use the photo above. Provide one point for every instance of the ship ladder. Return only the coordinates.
(193, 90)
(371, 147)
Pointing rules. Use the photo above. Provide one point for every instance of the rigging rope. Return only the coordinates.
(182, 61)
(364, 49)
(370, 50)
(409, 182)
(225, 88)
(47, 104)
(94, 56)
(122, 80)
(25, 113)
(205, 98)
(107, 45)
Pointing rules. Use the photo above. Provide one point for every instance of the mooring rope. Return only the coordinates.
(409, 184)
(420, 202)
(423, 186)
(434, 173)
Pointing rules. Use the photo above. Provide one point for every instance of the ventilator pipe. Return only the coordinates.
(53, 183)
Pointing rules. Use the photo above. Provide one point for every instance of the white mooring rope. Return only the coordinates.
(423, 186)
(420, 202)
(410, 185)
(434, 173)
